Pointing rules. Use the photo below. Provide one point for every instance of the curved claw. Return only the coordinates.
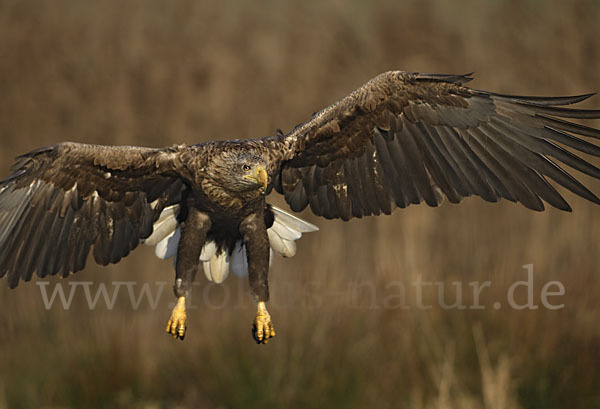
(262, 328)
(178, 321)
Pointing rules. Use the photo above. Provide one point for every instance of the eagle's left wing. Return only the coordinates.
(404, 138)
(63, 199)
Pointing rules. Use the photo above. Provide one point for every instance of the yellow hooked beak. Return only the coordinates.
(261, 177)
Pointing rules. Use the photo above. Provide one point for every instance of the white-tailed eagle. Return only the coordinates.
(400, 139)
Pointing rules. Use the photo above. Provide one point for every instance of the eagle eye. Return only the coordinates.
(246, 168)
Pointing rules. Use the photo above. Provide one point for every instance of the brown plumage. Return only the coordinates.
(400, 139)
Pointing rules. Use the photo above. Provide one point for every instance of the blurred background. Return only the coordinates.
(156, 73)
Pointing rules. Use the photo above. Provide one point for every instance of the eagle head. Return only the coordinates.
(240, 171)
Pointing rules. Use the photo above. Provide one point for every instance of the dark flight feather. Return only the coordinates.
(64, 199)
(431, 134)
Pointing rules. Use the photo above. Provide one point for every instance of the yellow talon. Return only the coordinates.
(178, 321)
(262, 329)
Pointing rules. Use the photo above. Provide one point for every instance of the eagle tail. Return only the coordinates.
(217, 263)
(239, 260)
(216, 268)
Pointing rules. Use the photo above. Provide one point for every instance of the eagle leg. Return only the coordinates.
(254, 233)
(193, 235)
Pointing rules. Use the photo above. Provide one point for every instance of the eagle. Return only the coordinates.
(402, 138)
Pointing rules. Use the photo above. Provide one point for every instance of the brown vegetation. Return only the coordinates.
(157, 73)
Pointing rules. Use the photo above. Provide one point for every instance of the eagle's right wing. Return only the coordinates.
(63, 199)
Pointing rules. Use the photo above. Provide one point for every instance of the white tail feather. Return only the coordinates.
(286, 248)
(167, 247)
(285, 232)
(217, 269)
(208, 251)
(293, 222)
(165, 225)
(239, 262)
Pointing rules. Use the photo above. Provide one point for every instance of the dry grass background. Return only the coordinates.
(156, 73)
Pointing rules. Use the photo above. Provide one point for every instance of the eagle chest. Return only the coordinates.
(224, 201)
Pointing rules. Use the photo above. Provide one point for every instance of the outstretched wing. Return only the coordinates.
(65, 198)
(404, 138)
